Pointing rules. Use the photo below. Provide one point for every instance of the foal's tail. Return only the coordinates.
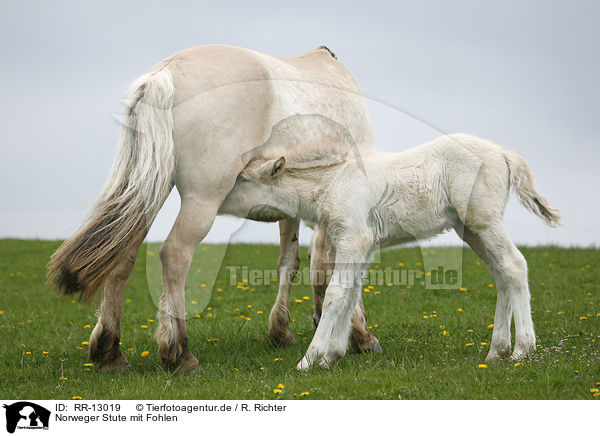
(522, 182)
(140, 180)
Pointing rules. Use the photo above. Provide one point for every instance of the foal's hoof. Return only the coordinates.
(316, 320)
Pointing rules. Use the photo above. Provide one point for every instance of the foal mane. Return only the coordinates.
(317, 155)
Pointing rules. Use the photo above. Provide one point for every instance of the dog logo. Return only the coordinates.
(26, 415)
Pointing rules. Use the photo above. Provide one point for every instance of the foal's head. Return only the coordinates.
(267, 184)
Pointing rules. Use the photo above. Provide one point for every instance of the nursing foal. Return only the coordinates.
(458, 181)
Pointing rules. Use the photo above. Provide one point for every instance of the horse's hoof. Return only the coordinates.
(316, 320)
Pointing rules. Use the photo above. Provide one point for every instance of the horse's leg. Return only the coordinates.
(104, 349)
(343, 293)
(193, 222)
(289, 262)
(500, 346)
(322, 260)
(510, 270)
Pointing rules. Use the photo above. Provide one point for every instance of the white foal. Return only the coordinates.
(458, 181)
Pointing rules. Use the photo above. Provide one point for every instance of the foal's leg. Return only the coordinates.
(511, 275)
(289, 262)
(500, 346)
(193, 222)
(322, 260)
(104, 341)
(331, 338)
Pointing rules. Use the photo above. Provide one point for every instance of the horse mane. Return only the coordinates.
(317, 155)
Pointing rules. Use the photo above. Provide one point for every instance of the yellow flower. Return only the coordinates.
(213, 340)
(27, 352)
(280, 386)
(197, 315)
(144, 353)
(517, 364)
(483, 343)
(445, 333)
(593, 390)
(304, 393)
(249, 306)
(87, 326)
(248, 318)
(490, 285)
(470, 331)
(490, 326)
(470, 344)
(298, 300)
(194, 302)
(277, 391)
(459, 309)
(85, 343)
(482, 365)
(88, 364)
(259, 312)
(77, 397)
(305, 298)
(144, 326)
(44, 353)
(277, 359)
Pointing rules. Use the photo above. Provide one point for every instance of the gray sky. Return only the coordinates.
(523, 74)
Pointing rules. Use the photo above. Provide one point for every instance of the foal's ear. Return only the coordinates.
(277, 167)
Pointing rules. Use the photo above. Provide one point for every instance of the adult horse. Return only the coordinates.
(195, 120)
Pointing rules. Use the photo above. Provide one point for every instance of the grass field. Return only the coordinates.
(40, 332)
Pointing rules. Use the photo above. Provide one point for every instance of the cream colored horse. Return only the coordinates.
(456, 182)
(195, 121)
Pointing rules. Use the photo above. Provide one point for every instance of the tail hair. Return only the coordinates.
(522, 182)
(140, 181)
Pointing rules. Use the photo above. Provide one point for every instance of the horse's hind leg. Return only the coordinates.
(289, 262)
(509, 267)
(104, 341)
(193, 222)
(500, 346)
(322, 261)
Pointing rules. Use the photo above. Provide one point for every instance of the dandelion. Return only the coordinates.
(27, 352)
(304, 393)
(144, 326)
(87, 326)
(463, 289)
(197, 315)
(470, 330)
(144, 353)
(594, 390)
(277, 359)
(459, 309)
(298, 300)
(490, 285)
(470, 344)
(483, 343)
(583, 317)
(306, 298)
(445, 333)
(518, 364)
(45, 353)
(280, 386)
(85, 343)
(219, 290)
(248, 318)
(194, 302)
(213, 340)
(77, 397)
(490, 326)
(259, 312)
(249, 306)
(277, 391)
(482, 365)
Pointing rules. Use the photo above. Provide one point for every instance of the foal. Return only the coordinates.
(454, 182)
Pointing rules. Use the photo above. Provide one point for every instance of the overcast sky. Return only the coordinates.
(523, 74)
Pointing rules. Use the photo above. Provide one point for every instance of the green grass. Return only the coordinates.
(419, 361)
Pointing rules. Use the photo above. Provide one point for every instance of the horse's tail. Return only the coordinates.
(140, 180)
(522, 182)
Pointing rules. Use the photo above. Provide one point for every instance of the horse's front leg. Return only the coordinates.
(289, 262)
(331, 338)
(322, 262)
